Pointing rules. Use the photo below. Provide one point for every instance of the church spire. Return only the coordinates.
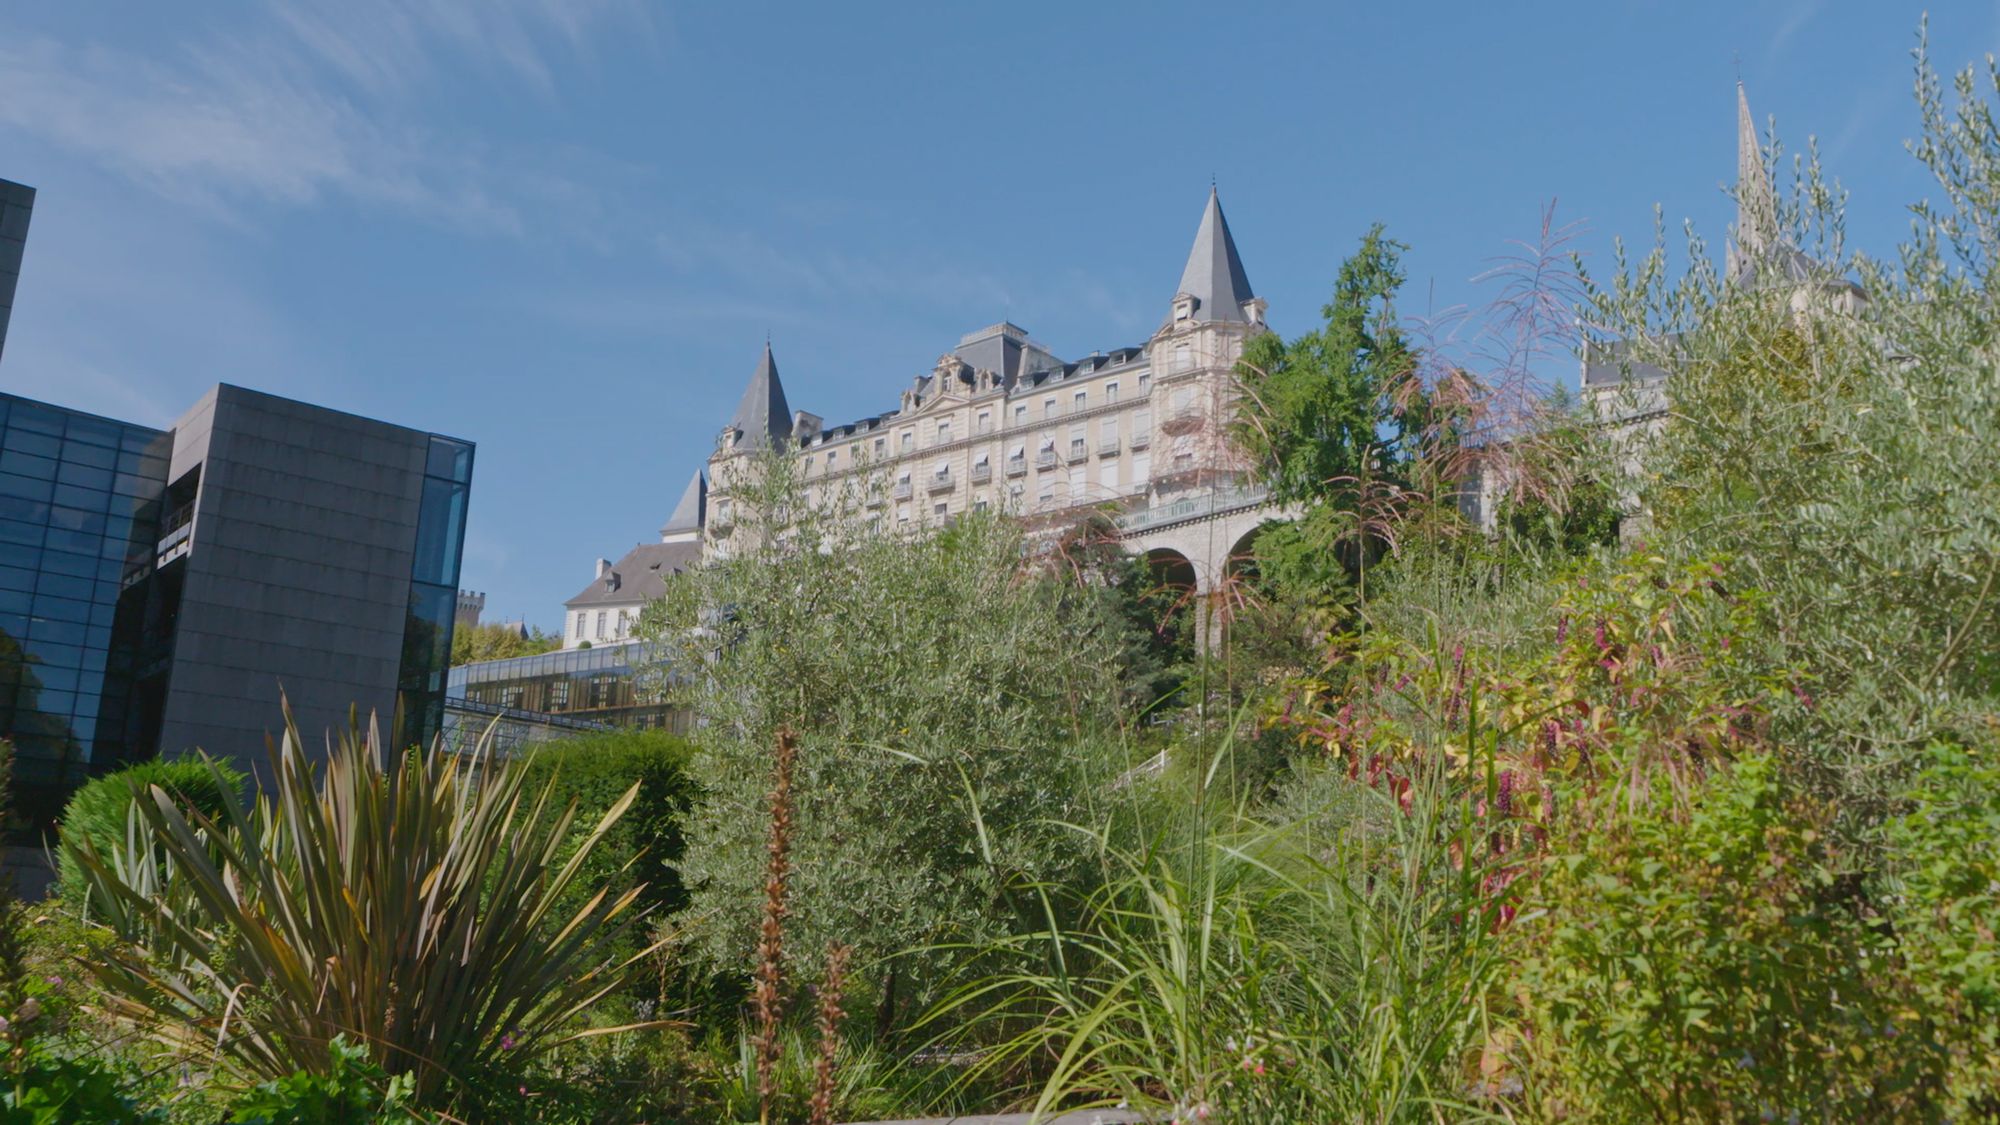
(763, 416)
(1214, 275)
(1756, 205)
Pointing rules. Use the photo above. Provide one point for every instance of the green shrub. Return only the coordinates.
(98, 810)
(1707, 965)
(645, 845)
(952, 701)
(352, 1090)
(1945, 896)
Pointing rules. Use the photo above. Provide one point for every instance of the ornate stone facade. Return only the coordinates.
(1001, 423)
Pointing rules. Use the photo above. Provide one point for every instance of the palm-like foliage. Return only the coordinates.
(410, 905)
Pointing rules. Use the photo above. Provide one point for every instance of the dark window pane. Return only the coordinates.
(27, 511)
(139, 464)
(77, 519)
(15, 577)
(22, 534)
(85, 476)
(15, 601)
(58, 679)
(28, 464)
(65, 586)
(128, 484)
(61, 609)
(63, 562)
(27, 488)
(96, 431)
(27, 440)
(79, 541)
(77, 496)
(95, 456)
(53, 654)
(40, 419)
(60, 632)
(440, 531)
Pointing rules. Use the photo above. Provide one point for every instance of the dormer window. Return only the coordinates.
(1184, 306)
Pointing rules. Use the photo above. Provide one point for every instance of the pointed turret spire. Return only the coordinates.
(763, 416)
(1756, 206)
(1214, 275)
(685, 524)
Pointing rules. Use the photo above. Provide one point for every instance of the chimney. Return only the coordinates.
(603, 567)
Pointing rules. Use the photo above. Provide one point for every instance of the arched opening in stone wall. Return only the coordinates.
(1171, 570)
(1240, 563)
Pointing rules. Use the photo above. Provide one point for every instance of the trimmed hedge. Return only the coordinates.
(596, 770)
(97, 810)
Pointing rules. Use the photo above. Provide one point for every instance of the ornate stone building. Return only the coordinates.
(1000, 422)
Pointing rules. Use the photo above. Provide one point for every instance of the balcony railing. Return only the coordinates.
(1214, 502)
(876, 500)
(174, 533)
(902, 490)
(1183, 421)
(1016, 466)
(1078, 450)
(1046, 459)
(941, 482)
(982, 472)
(1107, 447)
(1142, 438)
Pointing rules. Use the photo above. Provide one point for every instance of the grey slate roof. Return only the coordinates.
(640, 576)
(1214, 275)
(693, 508)
(763, 415)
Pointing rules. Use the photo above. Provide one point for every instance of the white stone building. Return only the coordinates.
(1000, 422)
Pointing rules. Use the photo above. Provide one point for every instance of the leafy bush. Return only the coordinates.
(1944, 869)
(644, 847)
(1707, 966)
(98, 811)
(410, 903)
(923, 676)
(351, 1090)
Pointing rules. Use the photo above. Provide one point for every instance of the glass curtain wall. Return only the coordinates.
(84, 628)
(434, 573)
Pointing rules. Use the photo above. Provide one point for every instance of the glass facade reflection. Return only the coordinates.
(85, 629)
(602, 685)
(434, 574)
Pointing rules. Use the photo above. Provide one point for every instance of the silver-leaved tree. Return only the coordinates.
(954, 705)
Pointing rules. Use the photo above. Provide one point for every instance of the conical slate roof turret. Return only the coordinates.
(688, 515)
(763, 417)
(1214, 275)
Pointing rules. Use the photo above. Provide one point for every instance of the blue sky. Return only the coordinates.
(563, 228)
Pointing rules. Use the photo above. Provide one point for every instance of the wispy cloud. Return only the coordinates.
(299, 107)
(1797, 14)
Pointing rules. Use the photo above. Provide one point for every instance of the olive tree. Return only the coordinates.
(950, 697)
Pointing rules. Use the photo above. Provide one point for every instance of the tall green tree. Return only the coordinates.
(1320, 417)
(1317, 411)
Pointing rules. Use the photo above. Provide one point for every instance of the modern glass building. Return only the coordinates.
(606, 685)
(84, 630)
(17, 205)
(160, 589)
